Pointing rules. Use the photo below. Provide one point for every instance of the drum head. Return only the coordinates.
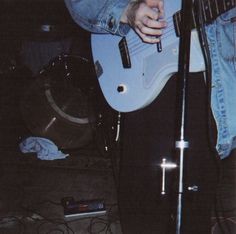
(59, 103)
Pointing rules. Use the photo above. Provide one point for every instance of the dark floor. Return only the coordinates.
(32, 189)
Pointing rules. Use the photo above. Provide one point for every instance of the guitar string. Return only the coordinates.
(134, 39)
(134, 42)
(169, 20)
(138, 47)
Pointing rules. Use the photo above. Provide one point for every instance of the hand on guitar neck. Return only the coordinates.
(143, 17)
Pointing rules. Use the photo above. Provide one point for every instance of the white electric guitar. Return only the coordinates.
(131, 73)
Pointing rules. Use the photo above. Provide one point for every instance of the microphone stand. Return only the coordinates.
(184, 56)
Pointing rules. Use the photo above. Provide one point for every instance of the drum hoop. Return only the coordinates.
(61, 113)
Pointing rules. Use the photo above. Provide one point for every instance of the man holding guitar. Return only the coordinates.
(149, 133)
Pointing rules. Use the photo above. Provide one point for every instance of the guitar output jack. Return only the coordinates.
(121, 88)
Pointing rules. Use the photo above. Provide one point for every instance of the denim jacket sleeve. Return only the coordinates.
(99, 16)
(221, 36)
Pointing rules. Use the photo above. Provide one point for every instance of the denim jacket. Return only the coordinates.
(100, 16)
(221, 36)
(103, 16)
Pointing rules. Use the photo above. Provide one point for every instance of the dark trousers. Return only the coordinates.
(148, 136)
(224, 215)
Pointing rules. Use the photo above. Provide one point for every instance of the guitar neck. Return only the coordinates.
(211, 10)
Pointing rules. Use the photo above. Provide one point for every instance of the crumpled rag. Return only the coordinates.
(44, 148)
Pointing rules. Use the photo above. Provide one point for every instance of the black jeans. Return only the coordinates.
(148, 136)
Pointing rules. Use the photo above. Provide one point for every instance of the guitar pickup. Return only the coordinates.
(124, 53)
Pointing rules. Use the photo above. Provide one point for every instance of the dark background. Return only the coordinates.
(33, 35)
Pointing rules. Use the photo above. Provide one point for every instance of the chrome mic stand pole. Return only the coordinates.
(184, 56)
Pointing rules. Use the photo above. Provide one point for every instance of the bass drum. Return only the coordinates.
(59, 103)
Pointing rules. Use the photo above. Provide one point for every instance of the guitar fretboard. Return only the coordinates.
(211, 10)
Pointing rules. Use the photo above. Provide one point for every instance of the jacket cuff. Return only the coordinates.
(111, 22)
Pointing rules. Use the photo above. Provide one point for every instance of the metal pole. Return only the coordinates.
(184, 57)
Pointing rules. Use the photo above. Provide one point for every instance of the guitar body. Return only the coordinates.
(130, 89)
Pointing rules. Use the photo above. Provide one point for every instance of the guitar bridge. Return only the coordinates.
(124, 53)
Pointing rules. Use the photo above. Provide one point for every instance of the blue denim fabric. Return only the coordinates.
(100, 16)
(221, 35)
